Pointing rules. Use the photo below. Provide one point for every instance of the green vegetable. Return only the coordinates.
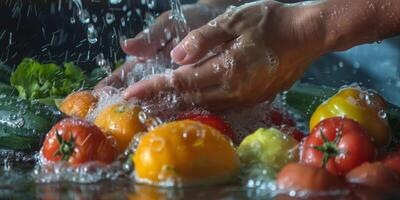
(23, 123)
(34, 80)
(269, 148)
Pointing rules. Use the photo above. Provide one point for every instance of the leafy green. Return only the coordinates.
(35, 80)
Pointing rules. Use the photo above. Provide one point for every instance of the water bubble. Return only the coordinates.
(151, 4)
(94, 18)
(123, 22)
(212, 23)
(382, 114)
(84, 16)
(114, 2)
(72, 20)
(92, 34)
(110, 18)
(157, 144)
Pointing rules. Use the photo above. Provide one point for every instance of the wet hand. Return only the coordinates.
(159, 38)
(259, 49)
(164, 34)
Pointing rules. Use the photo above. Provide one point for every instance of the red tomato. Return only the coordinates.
(392, 160)
(293, 131)
(278, 118)
(374, 175)
(337, 144)
(213, 121)
(302, 177)
(77, 141)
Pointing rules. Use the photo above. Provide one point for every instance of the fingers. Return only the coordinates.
(147, 88)
(147, 44)
(198, 42)
(186, 78)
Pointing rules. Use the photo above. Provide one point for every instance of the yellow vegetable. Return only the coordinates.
(366, 108)
(185, 153)
(122, 122)
(78, 104)
(269, 148)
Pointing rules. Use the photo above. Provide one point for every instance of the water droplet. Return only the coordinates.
(91, 34)
(94, 18)
(110, 18)
(382, 114)
(114, 2)
(72, 20)
(84, 16)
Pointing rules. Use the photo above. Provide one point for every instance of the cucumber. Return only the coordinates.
(23, 123)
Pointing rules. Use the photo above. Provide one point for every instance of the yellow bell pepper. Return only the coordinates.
(365, 107)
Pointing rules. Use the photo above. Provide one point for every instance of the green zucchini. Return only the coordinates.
(23, 123)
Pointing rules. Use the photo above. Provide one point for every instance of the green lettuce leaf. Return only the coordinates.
(34, 80)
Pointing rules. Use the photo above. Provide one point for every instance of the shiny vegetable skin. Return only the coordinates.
(337, 144)
(76, 142)
(78, 104)
(365, 107)
(186, 151)
(23, 123)
(301, 177)
(375, 175)
(269, 148)
(213, 121)
(392, 160)
(121, 121)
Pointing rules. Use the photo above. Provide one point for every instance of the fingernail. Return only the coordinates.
(139, 36)
(178, 54)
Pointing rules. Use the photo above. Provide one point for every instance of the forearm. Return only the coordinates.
(224, 3)
(350, 23)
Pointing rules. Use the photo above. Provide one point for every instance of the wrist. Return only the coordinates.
(223, 4)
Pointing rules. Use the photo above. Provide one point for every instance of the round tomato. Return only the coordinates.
(293, 131)
(277, 118)
(337, 144)
(77, 141)
(392, 160)
(214, 121)
(78, 104)
(302, 177)
(375, 175)
(185, 153)
(122, 122)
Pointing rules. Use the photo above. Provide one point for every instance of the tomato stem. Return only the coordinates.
(66, 148)
(328, 148)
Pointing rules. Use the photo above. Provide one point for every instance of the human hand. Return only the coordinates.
(262, 49)
(162, 34)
